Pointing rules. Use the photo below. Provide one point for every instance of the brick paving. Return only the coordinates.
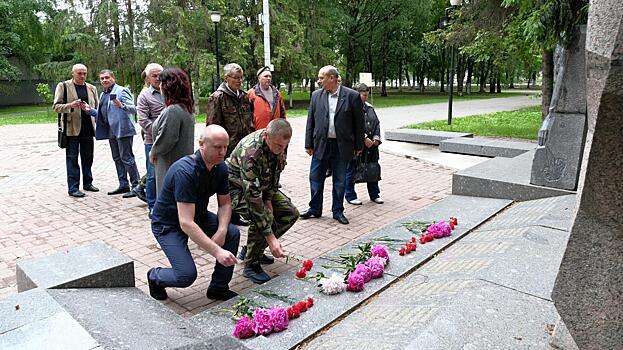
(37, 217)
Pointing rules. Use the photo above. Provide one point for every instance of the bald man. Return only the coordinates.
(181, 211)
(69, 98)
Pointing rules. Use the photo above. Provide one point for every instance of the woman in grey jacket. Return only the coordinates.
(174, 130)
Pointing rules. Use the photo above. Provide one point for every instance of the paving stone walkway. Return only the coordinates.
(39, 218)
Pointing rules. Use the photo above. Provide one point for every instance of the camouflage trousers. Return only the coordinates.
(284, 215)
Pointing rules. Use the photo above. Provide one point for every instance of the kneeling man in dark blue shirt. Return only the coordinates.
(181, 211)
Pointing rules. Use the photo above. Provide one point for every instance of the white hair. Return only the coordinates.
(231, 67)
(152, 66)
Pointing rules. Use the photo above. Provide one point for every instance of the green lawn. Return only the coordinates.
(300, 100)
(520, 124)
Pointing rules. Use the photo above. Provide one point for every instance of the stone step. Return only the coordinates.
(486, 147)
(490, 290)
(34, 320)
(90, 266)
(431, 137)
(507, 178)
(471, 212)
(127, 318)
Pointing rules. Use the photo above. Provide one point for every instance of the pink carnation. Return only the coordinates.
(355, 282)
(445, 229)
(380, 251)
(376, 266)
(279, 316)
(244, 328)
(364, 271)
(263, 323)
(435, 230)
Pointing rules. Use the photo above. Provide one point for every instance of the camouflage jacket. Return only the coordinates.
(254, 172)
(232, 113)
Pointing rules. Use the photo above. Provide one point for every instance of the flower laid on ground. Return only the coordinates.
(301, 273)
(428, 231)
(307, 265)
(332, 285)
(364, 271)
(264, 321)
(380, 250)
(244, 328)
(377, 266)
(355, 282)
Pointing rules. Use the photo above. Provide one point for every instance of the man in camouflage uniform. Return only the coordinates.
(229, 107)
(254, 169)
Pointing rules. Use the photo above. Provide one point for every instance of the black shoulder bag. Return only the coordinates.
(62, 129)
(366, 172)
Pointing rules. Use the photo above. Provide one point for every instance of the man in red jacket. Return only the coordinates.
(266, 101)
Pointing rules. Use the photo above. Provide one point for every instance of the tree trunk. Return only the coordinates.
(482, 79)
(498, 86)
(442, 77)
(470, 71)
(133, 68)
(460, 73)
(195, 76)
(116, 39)
(548, 81)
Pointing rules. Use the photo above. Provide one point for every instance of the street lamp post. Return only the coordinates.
(443, 23)
(215, 16)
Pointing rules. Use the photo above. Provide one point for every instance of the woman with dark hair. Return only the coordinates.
(174, 130)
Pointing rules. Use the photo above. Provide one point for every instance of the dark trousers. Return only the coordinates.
(350, 194)
(82, 146)
(317, 176)
(183, 271)
(121, 149)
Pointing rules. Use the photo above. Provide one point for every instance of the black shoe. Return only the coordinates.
(149, 214)
(264, 259)
(91, 188)
(239, 220)
(129, 194)
(119, 190)
(341, 219)
(308, 214)
(156, 292)
(140, 193)
(77, 194)
(220, 294)
(329, 173)
(255, 273)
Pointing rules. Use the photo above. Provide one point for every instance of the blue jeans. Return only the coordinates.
(121, 149)
(183, 272)
(350, 194)
(150, 181)
(317, 175)
(82, 146)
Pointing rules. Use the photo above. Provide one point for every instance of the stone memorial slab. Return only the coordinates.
(484, 147)
(588, 288)
(90, 266)
(499, 177)
(34, 320)
(127, 318)
(431, 137)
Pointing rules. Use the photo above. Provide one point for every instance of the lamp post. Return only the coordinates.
(443, 23)
(215, 16)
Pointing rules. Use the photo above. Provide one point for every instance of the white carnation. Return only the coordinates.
(333, 285)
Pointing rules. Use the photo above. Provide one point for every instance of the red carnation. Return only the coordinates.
(310, 302)
(423, 239)
(290, 313)
(452, 225)
(413, 239)
(301, 273)
(402, 251)
(429, 237)
(408, 249)
(307, 265)
(454, 220)
(296, 312)
(302, 306)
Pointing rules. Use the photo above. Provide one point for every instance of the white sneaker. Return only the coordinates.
(355, 202)
(378, 200)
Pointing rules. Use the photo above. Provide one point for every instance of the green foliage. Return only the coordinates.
(521, 124)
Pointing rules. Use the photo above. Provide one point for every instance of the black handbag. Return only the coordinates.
(366, 172)
(62, 129)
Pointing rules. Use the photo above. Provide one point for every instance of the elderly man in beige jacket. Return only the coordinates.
(69, 97)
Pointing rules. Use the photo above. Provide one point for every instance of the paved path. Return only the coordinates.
(37, 217)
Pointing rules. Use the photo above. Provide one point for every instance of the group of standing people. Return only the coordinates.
(242, 152)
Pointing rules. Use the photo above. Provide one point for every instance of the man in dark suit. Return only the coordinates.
(334, 135)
